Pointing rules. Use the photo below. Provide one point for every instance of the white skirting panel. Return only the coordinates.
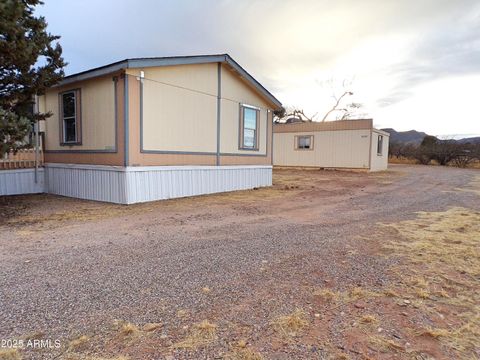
(21, 181)
(129, 185)
(101, 183)
(166, 182)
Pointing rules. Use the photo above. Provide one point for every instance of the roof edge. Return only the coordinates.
(169, 61)
(312, 126)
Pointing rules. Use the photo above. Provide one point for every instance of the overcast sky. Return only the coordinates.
(414, 64)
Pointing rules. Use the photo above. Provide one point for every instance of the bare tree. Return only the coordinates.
(351, 111)
(336, 106)
(467, 154)
(343, 110)
(295, 113)
(444, 152)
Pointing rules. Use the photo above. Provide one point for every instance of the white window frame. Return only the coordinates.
(241, 135)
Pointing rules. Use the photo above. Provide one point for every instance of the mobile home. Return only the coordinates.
(154, 128)
(344, 144)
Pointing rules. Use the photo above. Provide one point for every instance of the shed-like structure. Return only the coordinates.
(343, 144)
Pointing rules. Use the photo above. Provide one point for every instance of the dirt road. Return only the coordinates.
(305, 269)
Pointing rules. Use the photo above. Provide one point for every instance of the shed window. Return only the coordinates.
(304, 142)
(249, 118)
(380, 145)
(70, 117)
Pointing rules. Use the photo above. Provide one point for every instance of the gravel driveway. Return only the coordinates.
(71, 268)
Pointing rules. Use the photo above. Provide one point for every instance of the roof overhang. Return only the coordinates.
(312, 126)
(169, 61)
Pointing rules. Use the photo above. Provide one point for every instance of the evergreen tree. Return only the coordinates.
(30, 61)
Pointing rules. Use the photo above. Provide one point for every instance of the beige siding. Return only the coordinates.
(379, 162)
(97, 115)
(182, 117)
(236, 91)
(335, 149)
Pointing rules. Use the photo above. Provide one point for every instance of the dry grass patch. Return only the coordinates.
(129, 329)
(149, 327)
(82, 357)
(422, 293)
(360, 293)
(82, 214)
(443, 239)
(201, 334)
(292, 324)
(434, 333)
(445, 246)
(327, 295)
(244, 354)
(390, 293)
(10, 354)
(78, 342)
(182, 314)
(368, 319)
(385, 345)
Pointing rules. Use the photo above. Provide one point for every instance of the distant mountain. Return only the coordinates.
(472, 140)
(408, 137)
(416, 137)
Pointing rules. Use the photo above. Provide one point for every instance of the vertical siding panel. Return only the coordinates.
(131, 185)
(21, 181)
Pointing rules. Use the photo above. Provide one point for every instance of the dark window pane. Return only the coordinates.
(70, 130)
(249, 138)
(68, 104)
(380, 144)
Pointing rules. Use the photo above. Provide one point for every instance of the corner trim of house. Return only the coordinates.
(115, 111)
(141, 113)
(219, 102)
(126, 119)
(370, 150)
(273, 135)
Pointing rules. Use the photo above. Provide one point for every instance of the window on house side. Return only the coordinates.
(380, 145)
(249, 128)
(305, 142)
(70, 118)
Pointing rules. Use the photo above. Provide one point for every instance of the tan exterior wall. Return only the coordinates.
(331, 149)
(379, 162)
(97, 122)
(175, 118)
(236, 91)
(97, 115)
(180, 126)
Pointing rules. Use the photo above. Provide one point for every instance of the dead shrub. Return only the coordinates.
(292, 324)
(201, 334)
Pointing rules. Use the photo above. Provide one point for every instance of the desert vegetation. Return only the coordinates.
(436, 151)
